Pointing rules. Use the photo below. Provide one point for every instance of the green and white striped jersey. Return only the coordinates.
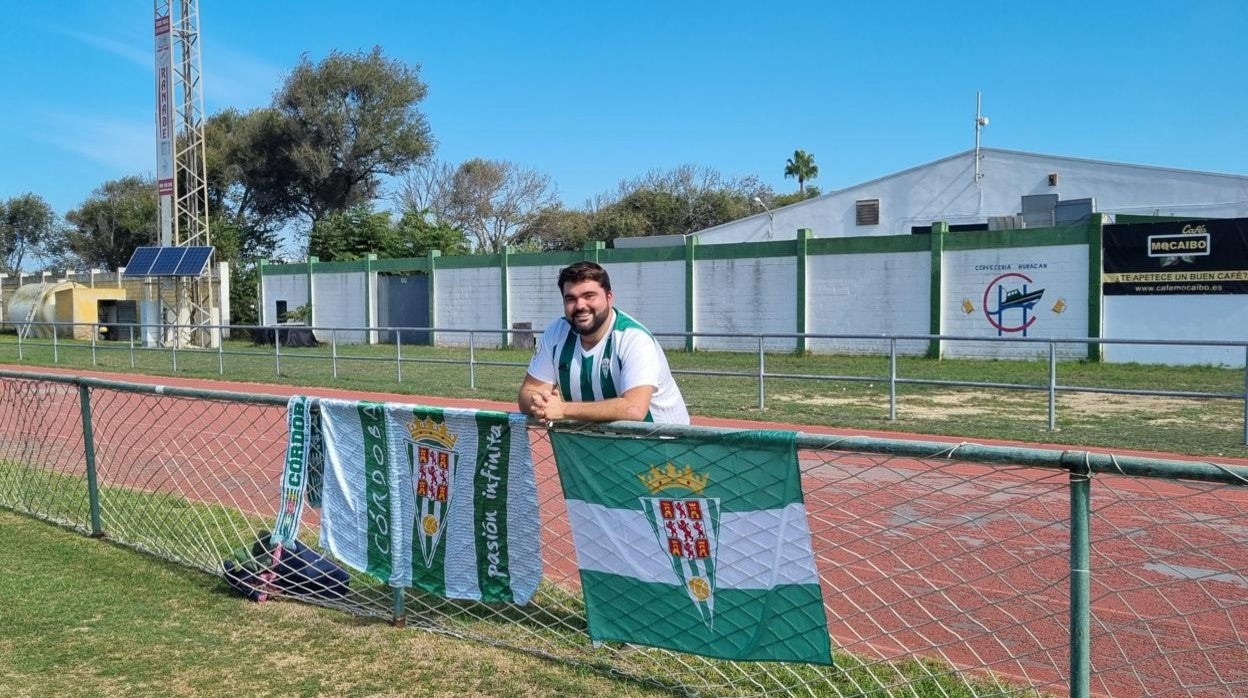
(628, 356)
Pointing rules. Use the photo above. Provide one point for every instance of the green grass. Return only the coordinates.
(1212, 427)
(87, 617)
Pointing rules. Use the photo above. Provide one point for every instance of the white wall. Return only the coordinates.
(468, 299)
(534, 297)
(862, 293)
(654, 295)
(945, 190)
(876, 293)
(1219, 317)
(338, 301)
(745, 296)
(1062, 271)
(292, 288)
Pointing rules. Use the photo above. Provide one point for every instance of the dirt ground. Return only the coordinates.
(963, 404)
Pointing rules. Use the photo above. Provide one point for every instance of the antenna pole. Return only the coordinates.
(979, 123)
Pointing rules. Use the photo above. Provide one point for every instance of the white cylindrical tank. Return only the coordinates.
(35, 305)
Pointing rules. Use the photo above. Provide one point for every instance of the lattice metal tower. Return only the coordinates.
(183, 183)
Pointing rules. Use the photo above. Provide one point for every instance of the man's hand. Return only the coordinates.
(543, 401)
(548, 406)
(533, 392)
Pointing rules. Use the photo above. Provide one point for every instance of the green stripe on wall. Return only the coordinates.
(691, 249)
(504, 284)
(937, 243)
(803, 250)
(747, 250)
(1031, 237)
(385, 265)
(543, 259)
(871, 244)
(356, 266)
(475, 261)
(432, 258)
(399, 265)
(1095, 252)
(633, 255)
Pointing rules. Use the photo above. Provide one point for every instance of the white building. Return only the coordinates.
(948, 190)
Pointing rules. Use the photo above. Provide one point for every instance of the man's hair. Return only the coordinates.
(584, 271)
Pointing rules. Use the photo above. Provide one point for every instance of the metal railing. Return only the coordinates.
(158, 336)
(946, 569)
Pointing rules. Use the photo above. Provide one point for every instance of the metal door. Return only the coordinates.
(403, 301)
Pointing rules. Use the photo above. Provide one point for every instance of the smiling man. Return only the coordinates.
(597, 364)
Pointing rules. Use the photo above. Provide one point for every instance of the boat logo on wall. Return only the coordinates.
(1009, 301)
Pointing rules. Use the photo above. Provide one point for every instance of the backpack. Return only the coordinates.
(266, 568)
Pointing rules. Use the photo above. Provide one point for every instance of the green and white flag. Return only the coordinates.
(695, 543)
(443, 500)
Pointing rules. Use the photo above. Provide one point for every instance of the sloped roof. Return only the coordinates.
(971, 153)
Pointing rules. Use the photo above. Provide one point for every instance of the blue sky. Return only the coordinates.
(593, 93)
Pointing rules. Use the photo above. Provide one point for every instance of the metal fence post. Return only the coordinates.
(333, 350)
(132, 346)
(1052, 385)
(56, 354)
(472, 360)
(277, 350)
(892, 379)
(95, 330)
(221, 352)
(19, 343)
(761, 371)
(177, 338)
(88, 448)
(398, 354)
(400, 611)
(1080, 582)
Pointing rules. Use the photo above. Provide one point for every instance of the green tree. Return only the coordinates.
(418, 232)
(678, 201)
(493, 200)
(801, 166)
(119, 216)
(785, 199)
(27, 229)
(351, 234)
(249, 177)
(556, 228)
(351, 118)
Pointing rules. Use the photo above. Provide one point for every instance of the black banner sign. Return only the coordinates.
(1176, 258)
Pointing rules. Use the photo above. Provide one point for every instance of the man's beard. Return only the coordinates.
(596, 320)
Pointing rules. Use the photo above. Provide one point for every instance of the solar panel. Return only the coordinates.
(194, 261)
(140, 263)
(166, 263)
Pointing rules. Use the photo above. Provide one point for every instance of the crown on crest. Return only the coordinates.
(669, 476)
(434, 431)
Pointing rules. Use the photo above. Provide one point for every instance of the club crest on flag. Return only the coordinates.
(687, 529)
(431, 458)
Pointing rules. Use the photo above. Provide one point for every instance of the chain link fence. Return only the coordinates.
(946, 570)
(274, 350)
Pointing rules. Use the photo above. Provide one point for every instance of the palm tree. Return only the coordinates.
(801, 165)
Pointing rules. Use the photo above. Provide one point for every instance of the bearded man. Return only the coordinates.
(597, 364)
